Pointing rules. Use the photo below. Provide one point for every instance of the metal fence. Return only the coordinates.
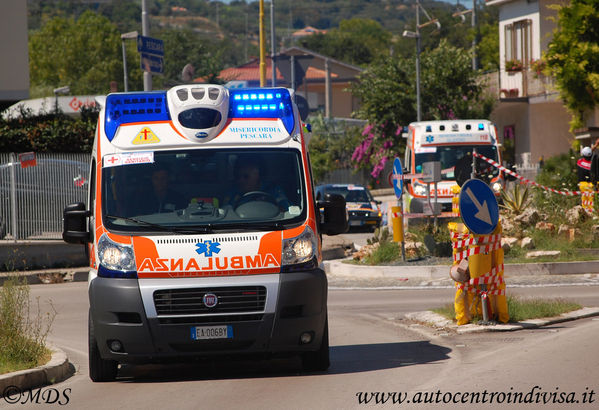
(32, 198)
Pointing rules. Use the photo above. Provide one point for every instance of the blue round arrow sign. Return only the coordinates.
(478, 207)
(397, 183)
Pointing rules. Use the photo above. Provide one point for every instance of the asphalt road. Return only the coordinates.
(373, 349)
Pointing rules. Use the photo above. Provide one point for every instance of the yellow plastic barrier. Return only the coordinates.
(485, 265)
(587, 196)
(463, 299)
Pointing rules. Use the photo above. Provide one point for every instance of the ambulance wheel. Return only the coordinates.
(100, 370)
(318, 360)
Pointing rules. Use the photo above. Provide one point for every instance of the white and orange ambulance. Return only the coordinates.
(450, 142)
(203, 231)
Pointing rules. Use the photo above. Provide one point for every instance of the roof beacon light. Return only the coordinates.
(129, 108)
(481, 126)
(262, 103)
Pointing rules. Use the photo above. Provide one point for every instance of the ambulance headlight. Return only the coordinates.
(116, 259)
(299, 251)
(419, 189)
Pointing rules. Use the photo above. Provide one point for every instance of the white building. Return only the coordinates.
(530, 116)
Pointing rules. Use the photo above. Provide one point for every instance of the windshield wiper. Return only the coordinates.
(183, 230)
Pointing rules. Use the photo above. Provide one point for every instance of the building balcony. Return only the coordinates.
(518, 84)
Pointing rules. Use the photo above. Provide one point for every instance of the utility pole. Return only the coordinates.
(474, 39)
(145, 31)
(418, 45)
(262, 45)
(273, 43)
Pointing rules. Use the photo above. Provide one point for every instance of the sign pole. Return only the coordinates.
(145, 31)
(403, 240)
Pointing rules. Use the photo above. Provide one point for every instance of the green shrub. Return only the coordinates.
(53, 132)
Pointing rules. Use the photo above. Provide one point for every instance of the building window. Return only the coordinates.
(518, 42)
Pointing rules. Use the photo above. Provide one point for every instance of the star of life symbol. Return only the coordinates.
(429, 138)
(207, 248)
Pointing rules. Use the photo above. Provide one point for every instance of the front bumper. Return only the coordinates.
(124, 310)
(363, 218)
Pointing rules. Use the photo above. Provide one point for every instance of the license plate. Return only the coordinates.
(211, 332)
(355, 223)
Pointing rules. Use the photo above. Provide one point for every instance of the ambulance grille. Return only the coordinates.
(191, 301)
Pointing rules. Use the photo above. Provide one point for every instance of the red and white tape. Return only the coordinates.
(525, 180)
(476, 250)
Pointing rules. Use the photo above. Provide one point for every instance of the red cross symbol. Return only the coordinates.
(145, 132)
(113, 159)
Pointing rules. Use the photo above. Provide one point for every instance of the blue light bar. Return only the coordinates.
(481, 126)
(429, 128)
(262, 103)
(126, 108)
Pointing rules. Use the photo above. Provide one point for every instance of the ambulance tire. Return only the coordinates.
(319, 360)
(100, 370)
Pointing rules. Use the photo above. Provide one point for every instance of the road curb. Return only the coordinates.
(56, 370)
(338, 267)
(435, 320)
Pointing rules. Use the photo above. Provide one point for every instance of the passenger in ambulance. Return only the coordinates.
(249, 186)
(161, 198)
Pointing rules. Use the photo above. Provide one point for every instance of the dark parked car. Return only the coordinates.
(40, 192)
(362, 209)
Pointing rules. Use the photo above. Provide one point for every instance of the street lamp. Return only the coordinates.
(60, 90)
(130, 35)
(416, 35)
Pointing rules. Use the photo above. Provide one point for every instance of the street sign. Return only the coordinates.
(150, 45)
(478, 207)
(151, 63)
(397, 182)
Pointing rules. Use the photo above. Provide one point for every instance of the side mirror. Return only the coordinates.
(378, 201)
(74, 219)
(334, 219)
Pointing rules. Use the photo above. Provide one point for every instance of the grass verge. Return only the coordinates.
(523, 309)
(23, 332)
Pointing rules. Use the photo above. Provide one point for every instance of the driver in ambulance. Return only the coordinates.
(250, 187)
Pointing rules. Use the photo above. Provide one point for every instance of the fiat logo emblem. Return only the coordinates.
(210, 300)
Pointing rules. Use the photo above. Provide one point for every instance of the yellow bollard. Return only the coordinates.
(397, 223)
(455, 200)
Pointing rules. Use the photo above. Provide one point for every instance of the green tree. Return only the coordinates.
(449, 89)
(573, 57)
(356, 41)
(183, 47)
(328, 145)
(84, 54)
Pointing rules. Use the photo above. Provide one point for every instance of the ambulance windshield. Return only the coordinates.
(203, 190)
(449, 155)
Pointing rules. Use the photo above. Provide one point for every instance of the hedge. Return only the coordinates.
(55, 132)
